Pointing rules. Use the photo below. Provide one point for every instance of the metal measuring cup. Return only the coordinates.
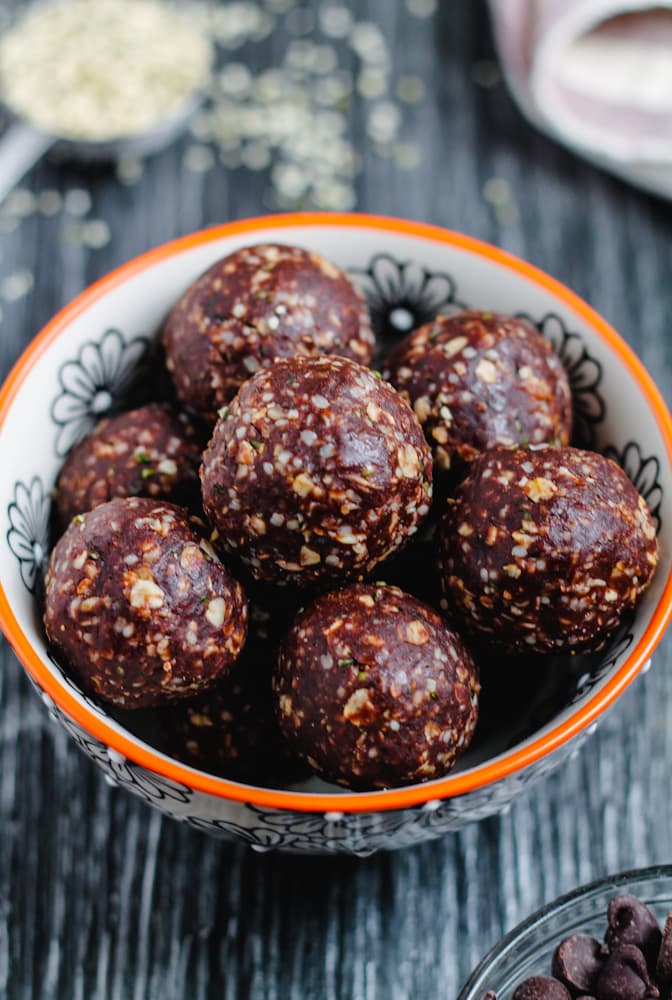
(23, 144)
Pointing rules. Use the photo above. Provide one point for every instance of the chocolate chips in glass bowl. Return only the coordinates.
(633, 963)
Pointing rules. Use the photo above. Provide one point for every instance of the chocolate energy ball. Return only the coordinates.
(544, 548)
(231, 729)
(374, 690)
(260, 303)
(150, 452)
(316, 472)
(139, 606)
(478, 379)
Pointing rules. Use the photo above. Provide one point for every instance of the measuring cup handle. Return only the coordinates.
(20, 147)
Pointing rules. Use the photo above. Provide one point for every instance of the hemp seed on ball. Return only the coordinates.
(149, 452)
(258, 304)
(543, 549)
(477, 379)
(316, 472)
(374, 690)
(139, 606)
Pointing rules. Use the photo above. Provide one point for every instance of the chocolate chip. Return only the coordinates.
(625, 976)
(630, 922)
(541, 988)
(577, 962)
(664, 963)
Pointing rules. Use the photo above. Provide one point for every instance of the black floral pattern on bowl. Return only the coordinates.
(643, 472)
(97, 383)
(69, 681)
(402, 295)
(614, 649)
(28, 532)
(585, 376)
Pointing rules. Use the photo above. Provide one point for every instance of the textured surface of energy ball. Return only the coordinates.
(316, 472)
(231, 729)
(374, 690)
(138, 605)
(260, 303)
(150, 452)
(478, 379)
(544, 549)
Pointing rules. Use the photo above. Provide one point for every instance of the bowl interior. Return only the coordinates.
(527, 951)
(98, 355)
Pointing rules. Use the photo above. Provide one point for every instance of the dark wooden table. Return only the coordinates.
(102, 898)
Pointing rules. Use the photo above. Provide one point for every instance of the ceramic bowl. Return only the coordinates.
(85, 362)
(527, 951)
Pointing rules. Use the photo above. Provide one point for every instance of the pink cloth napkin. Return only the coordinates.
(596, 75)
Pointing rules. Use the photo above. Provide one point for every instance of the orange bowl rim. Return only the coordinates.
(454, 785)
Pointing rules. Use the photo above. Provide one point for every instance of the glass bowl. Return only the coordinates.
(528, 949)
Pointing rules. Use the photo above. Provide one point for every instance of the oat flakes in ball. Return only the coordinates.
(374, 690)
(139, 606)
(316, 472)
(477, 379)
(260, 303)
(544, 548)
(150, 452)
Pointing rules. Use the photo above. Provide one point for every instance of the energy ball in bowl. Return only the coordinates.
(477, 379)
(260, 303)
(150, 452)
(316, 472)
(231, 729)
(544, 548)
(138, 605)
(374, 690)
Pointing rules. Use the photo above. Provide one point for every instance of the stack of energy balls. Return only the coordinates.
(316, 472)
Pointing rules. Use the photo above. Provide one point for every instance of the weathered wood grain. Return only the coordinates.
(101, 899)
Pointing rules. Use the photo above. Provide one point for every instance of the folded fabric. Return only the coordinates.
(596, 75)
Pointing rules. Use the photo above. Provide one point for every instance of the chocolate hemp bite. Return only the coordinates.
(316, 472)
(139, 606)
(258, 304)
(477, 379)
(374, 690)
(544, 548)
(150, 452)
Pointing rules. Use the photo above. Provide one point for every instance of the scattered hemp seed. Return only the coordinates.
(49, 202)
(17, 285)
(384, 122)
(21, 203)
(199, 159)
(77, 202)
(335, 20)
(96, 234)
(497, 191)
(422, 8)
(129, 171)
(410, 89)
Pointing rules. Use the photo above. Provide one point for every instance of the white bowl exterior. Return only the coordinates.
(137, 307)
